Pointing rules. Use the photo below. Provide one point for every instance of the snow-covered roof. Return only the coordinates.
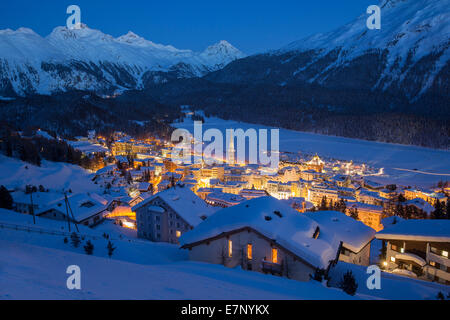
(333, 224)
(184, 202)
(366, 207)
(421, 204)
(39, 198)
(418, 230)
(275, 220)
(83, 205)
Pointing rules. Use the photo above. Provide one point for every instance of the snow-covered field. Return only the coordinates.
(55, 175)
(33, 266)
(399, 161)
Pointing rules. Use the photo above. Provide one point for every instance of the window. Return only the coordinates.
(445, 253)
(178, 233)
(230, 248)
(249, 251)
(87, 204)
(392, 259)
(432, 263)
(274, 255)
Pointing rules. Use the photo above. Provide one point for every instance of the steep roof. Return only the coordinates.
(333, 224)
(183, 201)
(275, 220)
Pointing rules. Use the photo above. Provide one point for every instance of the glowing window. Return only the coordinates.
(249, 251)
(178, 234)
(392, 259)
(445, 254)
(230, 248)
(274, 255)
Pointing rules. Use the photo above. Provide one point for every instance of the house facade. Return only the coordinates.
(267, 235)
(252, 251)
(418, 248)
(165, 216)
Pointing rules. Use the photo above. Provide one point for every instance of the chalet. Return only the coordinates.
(418, 248)
(266, 235)
(166, 215)
(22, 200)
(83, 208)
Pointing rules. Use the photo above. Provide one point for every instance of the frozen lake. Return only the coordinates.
(408, 165)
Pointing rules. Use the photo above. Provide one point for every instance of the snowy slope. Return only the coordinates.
(42, 272)
(55, 175)
(89, 59)
(137, 270)
(408, 57)
(410, 31)
(33, 266)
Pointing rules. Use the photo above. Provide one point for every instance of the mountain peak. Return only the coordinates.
(129, 37)
(224, 48)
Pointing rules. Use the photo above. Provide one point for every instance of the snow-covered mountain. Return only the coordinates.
(88, 59)
(409, 54)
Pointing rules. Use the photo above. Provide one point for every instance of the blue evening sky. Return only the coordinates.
(252, 26)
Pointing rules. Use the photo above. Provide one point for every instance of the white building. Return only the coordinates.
(166, 215)
(418, 248)
(267, 235)
(84, 208)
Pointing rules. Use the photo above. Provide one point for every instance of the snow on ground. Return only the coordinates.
(393, 287)
(109, 227)
(127, 249)
(32, 272)
(399, 161)
(55, 175)
(33, 266)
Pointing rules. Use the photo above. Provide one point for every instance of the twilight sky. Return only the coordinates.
(251, 26)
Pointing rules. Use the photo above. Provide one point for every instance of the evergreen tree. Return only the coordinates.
(110, 248)
(6, 201)
(75, 239)
(89, 247)
(353, 213)
(323, 204)
(348, 283)
(438, 212)
(447, 210)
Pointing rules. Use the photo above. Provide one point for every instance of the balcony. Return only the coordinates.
(270, 267)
